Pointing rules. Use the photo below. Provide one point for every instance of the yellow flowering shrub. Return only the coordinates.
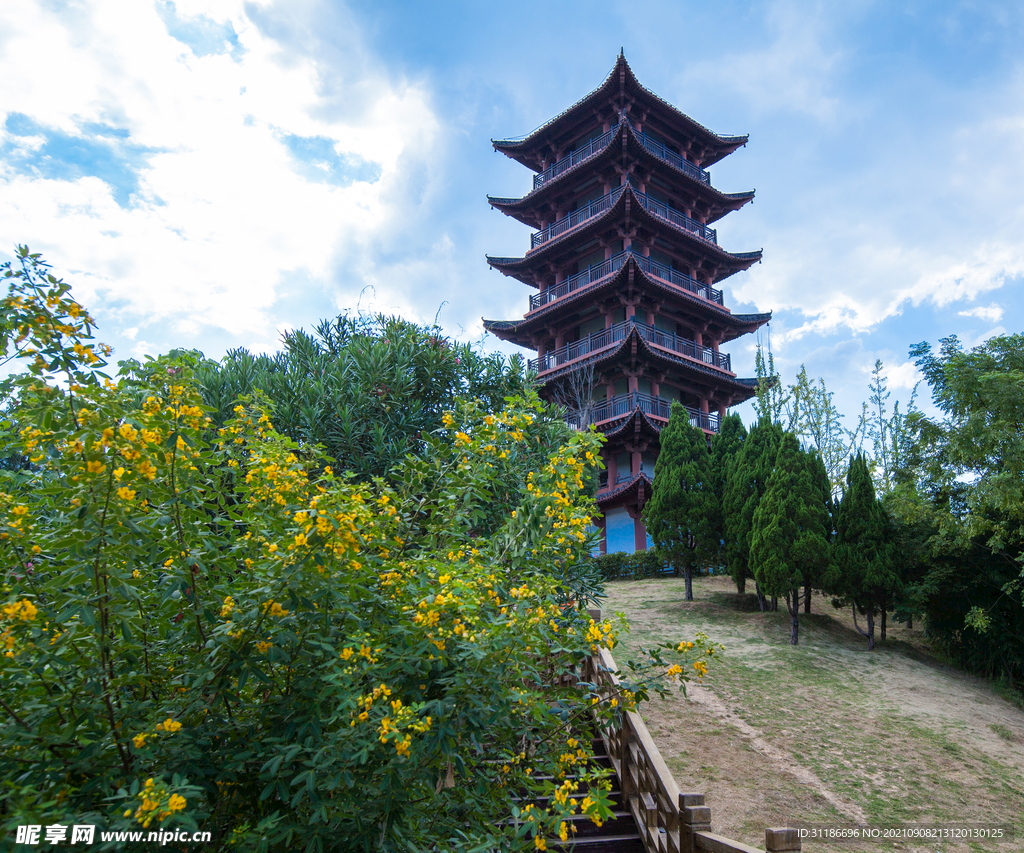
(202, 624)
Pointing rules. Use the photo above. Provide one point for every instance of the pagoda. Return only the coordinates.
(628, 314)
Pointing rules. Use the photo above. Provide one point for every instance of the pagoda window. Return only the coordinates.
(619, 530)
(664, 324)
(590, 260)
(647, 459)
(667, 392)
(661, 258)
(621, 386)
(657, 196)
(643, 385)
(619, 315)
(623, 461)
(590, 327)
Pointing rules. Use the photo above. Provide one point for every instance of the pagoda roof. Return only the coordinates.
(634, 346)
(635, 424)
(618, 87)
(521, 208)
(520, 331)
(524, 268)
(638, 483)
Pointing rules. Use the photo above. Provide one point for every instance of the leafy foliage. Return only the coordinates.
(364, 389)
(746, 483)
(679, 516)
(789, 541)
(202, 624)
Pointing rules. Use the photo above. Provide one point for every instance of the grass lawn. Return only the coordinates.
(826, 733)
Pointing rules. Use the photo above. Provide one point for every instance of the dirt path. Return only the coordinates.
(826, 733)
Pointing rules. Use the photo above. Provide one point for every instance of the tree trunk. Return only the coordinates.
(883, 622)
(688, 574)
(871, 630)
(910, 622)
(807, 598)
(793, 605)
(760, 597)
(741, 584)
(775, 604)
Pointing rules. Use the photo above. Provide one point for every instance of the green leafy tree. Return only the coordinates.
(863, 573)
(981, 394)
(364, 389)
(889, 432)
(789, 543)
(746, 483)
(679, 515)
(726, 445)
(205, 626)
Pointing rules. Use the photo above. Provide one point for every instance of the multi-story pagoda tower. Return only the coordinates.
(628, 316)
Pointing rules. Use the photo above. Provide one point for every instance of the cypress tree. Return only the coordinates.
(746, 483)
(726, 445)
(823, 492)
(789, 541)
(679, 514)
(863, 573)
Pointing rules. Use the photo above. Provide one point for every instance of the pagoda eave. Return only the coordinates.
(623, 91)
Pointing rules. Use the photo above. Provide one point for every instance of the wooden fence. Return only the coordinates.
(669, 820)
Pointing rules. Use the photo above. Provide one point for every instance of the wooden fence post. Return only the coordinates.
(694, 817)
(784, 840)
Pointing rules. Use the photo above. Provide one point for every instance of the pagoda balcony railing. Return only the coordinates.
(588, 276)
(677, 218)
(624, 404)
(609, 337)
(566, 223)
(659, 150)
(679, 279)
(596, 144)
(597, 272)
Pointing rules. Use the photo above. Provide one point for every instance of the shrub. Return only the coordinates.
(211, 628)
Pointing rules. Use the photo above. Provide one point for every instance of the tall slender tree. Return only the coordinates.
(863, 573)
(822, 485)
(725, 447)
(789, 541)
(682, 505)
(746, 483)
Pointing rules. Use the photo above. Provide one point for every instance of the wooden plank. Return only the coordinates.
(720, 844)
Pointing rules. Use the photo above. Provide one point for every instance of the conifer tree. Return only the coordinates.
(863, 573)
(726, 445)
(679, 514)
(746, 482)
(789, 540)
(822, 484)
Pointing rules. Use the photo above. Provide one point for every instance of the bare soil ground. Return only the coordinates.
(827, 733)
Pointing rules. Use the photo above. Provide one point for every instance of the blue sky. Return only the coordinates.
(209, 174)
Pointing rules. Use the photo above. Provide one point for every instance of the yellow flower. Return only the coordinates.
(539, 842)
(126, 494)
(168, 726)
(140, 741)
(176, 803)
(94, 466)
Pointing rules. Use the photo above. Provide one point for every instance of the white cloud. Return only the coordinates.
(993, 313)
(221, 214)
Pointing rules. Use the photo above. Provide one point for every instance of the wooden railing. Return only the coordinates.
(669, 820)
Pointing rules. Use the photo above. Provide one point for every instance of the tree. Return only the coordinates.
(679, 515)
(863, 573)
(726, 445)
(889, 433)
(746, 483)
(981, 437)
(366, 389)
(789, 542)
(822, 493)
(815, 418)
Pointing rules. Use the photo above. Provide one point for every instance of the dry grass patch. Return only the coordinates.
(826, 732)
